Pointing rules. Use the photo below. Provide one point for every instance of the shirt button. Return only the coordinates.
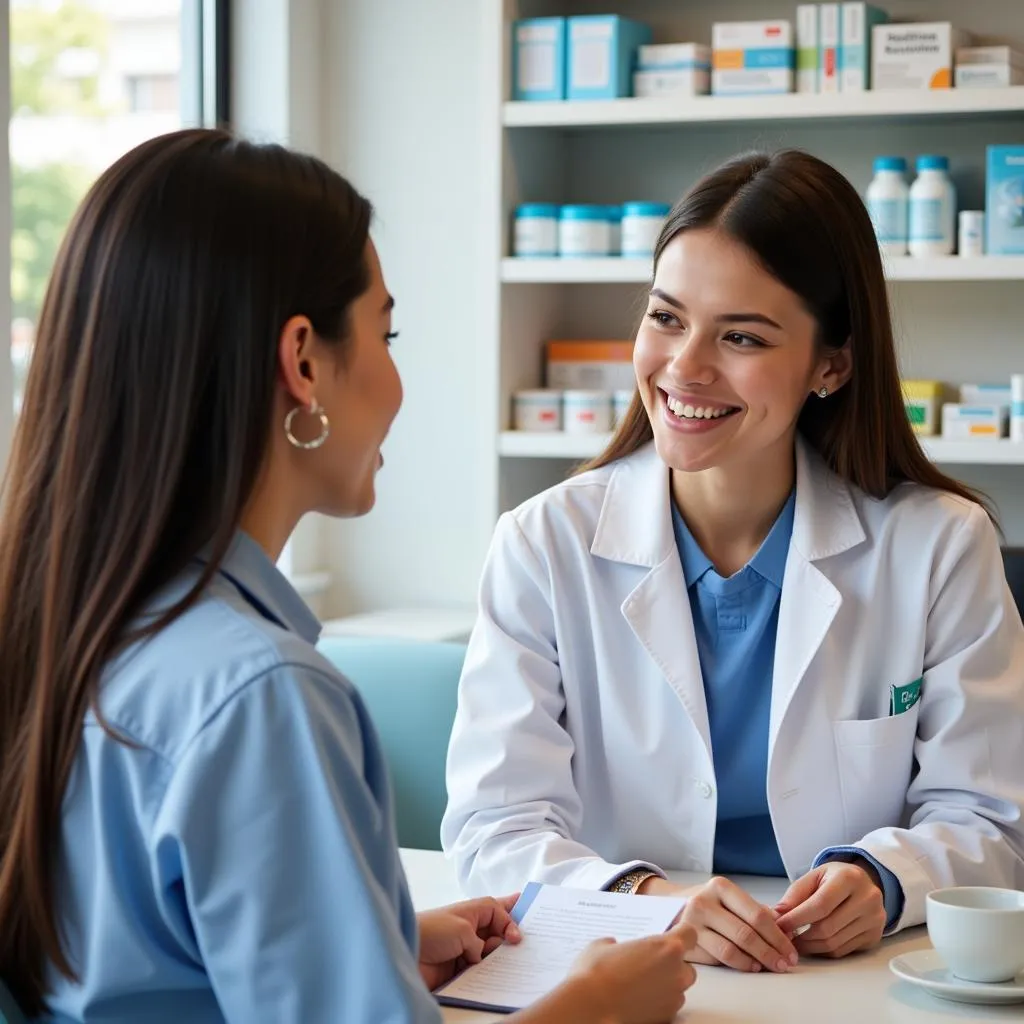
(705, 790)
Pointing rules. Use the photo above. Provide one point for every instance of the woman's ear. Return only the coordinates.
(836, 368)
(295, 363)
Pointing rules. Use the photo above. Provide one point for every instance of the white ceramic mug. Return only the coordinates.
(978, 931)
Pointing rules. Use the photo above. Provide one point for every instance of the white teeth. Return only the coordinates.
(690, 412)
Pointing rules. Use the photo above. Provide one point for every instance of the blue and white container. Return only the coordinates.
(584, 231)
(539, 409)
(615, 232)
(603, 56)
(535, 232)
(538, 59)
(932, 219)
(641, 228)
(1004, 203)
(888, 199)
(1017, 407)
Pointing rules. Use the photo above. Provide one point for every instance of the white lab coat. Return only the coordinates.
(581, 746)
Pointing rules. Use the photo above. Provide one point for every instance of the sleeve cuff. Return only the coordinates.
(892, 890)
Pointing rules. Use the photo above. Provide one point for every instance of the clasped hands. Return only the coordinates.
(832, 911)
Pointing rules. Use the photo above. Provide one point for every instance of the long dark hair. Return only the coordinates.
(808, 228)
(146, 418)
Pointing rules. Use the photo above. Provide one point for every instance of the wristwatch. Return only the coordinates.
(631, 880)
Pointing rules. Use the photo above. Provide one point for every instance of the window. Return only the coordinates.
(90, 79)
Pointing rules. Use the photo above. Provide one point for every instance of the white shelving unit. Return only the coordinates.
(956, 319)
(633, 271)
(746, 109)
(578, 447)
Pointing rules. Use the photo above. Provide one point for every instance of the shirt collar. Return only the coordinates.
(266, 588)
(769, 562)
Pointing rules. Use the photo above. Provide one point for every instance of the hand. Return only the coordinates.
(639, 982)
(453, 937)
(843, 904)
(733, 929)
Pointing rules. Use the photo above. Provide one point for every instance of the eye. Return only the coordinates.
(663, 319)
(741, 340)
(390, 336)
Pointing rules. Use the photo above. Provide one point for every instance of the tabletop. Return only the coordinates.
(856, 990)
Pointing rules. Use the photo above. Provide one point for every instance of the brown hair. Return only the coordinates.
(146, 419)
(807, 226)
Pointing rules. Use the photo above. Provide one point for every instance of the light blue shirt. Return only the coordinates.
(238, 861)
(735, 621)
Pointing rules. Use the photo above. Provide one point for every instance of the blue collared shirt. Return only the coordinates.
(237, 862)
(735, 622)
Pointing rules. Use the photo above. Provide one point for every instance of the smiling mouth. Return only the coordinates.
(687, 411)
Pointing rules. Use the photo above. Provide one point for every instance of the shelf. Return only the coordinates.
(885, 105)
(576, 447)
(612, 270)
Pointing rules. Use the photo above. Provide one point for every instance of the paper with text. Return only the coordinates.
(557, 925)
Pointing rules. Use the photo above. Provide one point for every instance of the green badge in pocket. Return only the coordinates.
(903, 698)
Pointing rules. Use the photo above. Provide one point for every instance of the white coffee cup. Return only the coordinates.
(978, 931)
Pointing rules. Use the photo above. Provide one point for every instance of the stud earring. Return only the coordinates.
(823, 393)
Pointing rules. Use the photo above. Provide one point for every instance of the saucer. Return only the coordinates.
(926, 969)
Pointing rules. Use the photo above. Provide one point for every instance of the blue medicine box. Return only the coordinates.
(538, 59)
(1004, 201)
(603, 56)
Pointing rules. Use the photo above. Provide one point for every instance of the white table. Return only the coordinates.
(857, 990)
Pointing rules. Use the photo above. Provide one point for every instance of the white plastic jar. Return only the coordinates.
(971, 236)
(641, 228)
(539, 409)
(888, 197)
(535, 232)
(587, 412)
(932, 219)
(584, 231)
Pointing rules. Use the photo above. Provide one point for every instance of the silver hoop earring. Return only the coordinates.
(823, 393)
(325, 426)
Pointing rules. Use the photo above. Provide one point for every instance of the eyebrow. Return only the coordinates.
(725, 318)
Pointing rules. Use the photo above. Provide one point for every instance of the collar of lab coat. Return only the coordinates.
(635, 526)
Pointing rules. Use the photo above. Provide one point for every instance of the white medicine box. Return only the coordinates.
(538, 59)
(914, 56)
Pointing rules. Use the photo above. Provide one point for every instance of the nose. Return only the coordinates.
(692, 361)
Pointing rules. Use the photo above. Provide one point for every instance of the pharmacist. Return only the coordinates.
(763, 633)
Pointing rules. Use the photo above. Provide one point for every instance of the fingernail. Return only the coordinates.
(513, 932)
(794, 958)
(782, 966)
(755, 969)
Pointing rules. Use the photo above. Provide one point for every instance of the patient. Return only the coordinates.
(196, 823)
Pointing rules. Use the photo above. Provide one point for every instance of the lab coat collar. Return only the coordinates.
(635, 525)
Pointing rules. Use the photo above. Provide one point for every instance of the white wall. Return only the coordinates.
(406, 88)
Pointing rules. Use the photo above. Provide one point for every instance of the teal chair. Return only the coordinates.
(9, 1011)
(410, 688)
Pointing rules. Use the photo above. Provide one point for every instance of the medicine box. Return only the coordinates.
(673, 69)
(807, 48)
(987, 76)
(538, 59)
(989, 55)
(829, 40)
(600, 365)
(602, 56)
(674, 57)
(963, 422)
(914, 56)
(986, 394)
(1004, 201)
(923, 399)
(752, 57)
(858, 22)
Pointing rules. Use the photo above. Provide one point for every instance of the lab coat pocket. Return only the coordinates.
(876, 757)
